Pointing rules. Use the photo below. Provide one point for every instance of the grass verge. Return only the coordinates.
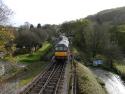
(36, 56)
(87, 81)
(119, 68)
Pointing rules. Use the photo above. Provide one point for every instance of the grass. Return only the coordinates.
(9, 58)
(88, 83)
(29, 58)
(120, 68)
(36, 56)
(75, 51)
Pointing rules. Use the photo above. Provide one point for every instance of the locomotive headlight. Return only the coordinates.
(60, 53)
(65, 53)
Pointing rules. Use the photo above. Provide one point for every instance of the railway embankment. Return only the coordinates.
(87, 81)
(119, 69)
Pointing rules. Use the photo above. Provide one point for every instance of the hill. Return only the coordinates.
(114, 16)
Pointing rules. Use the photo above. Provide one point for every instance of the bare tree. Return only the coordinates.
(5, 12)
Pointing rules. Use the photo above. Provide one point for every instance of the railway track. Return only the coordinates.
(48, 82)
(74, 79)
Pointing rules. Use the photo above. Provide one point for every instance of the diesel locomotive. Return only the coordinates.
(62, 49)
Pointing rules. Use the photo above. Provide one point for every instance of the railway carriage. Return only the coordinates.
(62, 49)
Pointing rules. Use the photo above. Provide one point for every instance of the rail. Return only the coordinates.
(47, 82)
(74, 79)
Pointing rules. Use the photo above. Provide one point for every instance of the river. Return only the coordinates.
(113, 83)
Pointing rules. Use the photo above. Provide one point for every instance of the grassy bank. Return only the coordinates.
(88, 83)
(119, 68)
(36, 56)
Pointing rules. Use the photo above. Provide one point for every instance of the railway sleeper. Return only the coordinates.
(54, 80)
(44, 80)
(56, 77)
(50, 88)
(36, 91)
(36, 88)
(53, 84)
(44, 76)
(47, 91)
(40, 85)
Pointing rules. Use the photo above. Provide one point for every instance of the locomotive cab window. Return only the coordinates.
(65, 48)
(60, 48)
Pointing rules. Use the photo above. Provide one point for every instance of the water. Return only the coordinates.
(113, 83)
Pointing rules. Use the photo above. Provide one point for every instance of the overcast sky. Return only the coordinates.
(56, 11)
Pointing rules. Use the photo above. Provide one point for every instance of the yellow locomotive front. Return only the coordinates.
(62, 49)
(61, 52)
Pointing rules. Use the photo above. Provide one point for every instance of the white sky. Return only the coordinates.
(57, 11)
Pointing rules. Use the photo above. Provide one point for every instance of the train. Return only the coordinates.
(62, 49)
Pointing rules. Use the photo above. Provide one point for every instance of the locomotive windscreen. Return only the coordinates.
(60, 48)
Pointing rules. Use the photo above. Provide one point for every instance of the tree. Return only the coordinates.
(5, 12)
(79, 28)
(118, 35)
(27, 39)
(5, 36)
(97, 38)
(32, 28)
(113, 51)
(6, 39)
(39, 26)
(49, 31)
(27, 25)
